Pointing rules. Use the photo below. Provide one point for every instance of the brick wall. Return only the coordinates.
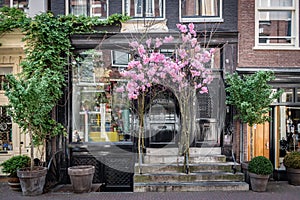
(248, 57)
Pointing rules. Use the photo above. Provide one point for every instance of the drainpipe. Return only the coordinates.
(241, 143)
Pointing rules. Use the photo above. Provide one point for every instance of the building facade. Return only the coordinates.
(269, 40)
(248, 36)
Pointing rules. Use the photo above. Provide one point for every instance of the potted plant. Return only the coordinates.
(33, 94)
(251, 95)
(260, 168)
(113, 23)
(292, 163)
(11, 166)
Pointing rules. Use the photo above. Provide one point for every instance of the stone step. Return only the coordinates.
(191, 186)
(194, 151)
(179, 159)
(191, 177)
(174, 168)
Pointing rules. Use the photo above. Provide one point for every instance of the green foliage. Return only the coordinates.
(252, 96)
(11, 18)
(292, 160)
(260, 165)
(116, 18)
(36, 90)
(14, 163)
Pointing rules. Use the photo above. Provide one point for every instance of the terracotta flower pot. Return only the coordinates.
(14, 183)
(81, 177)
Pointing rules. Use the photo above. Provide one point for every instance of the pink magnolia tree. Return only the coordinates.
(184, 73)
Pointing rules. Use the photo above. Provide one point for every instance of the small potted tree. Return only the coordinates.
(251, 95)
(292, 163)
(260, 168)
(11, 166)
(33, 94)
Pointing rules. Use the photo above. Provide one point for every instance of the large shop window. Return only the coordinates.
(277, 24)
(98, 8)
(144, 8)
(287, 125)
(200, 10)
(100, 114)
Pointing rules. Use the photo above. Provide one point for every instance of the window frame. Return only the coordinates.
(89, 9)
(163, 11)
(294, 27)
(202, 18)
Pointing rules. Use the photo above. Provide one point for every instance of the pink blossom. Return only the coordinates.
(182, 28)
(168, 39)
(158, 42)
(132, 96)
(194, 42)
(120, 89)
(195, 73)
(134, 44)
(148, 42)
(212, 50)
(191, 29)
(197, 48)
(198, 85)
(184, 38)
(141, 50)
(182, 53)
(204, 90)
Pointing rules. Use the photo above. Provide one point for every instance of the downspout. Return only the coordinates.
(241, 143)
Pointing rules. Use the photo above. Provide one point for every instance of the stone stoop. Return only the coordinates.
(163, 171)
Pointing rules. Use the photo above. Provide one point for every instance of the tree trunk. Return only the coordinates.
(31, 148)
(141, 106)
(187, 110)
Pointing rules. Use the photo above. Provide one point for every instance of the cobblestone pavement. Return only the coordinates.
(276, 190)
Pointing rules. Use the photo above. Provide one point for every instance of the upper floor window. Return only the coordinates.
(92, 8)
(21, 4)
(144, 8)
(200, 10)
(277, 24)
(4, 70)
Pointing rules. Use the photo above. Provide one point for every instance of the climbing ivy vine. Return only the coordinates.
(36, 90)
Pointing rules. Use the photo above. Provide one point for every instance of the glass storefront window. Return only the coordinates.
(100, 114)
(287, 95)
(287, 132)
(298, 95)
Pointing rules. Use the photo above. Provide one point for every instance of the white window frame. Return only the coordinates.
(294, 45)
(68, 10)
(202, 18)
(140, 16)
(116, 64)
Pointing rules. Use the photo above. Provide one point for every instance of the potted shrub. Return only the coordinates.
(292, 163)
(260, 168)
(113, 23)
(11, 166)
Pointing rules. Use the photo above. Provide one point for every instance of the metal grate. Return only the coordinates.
(5, 129)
